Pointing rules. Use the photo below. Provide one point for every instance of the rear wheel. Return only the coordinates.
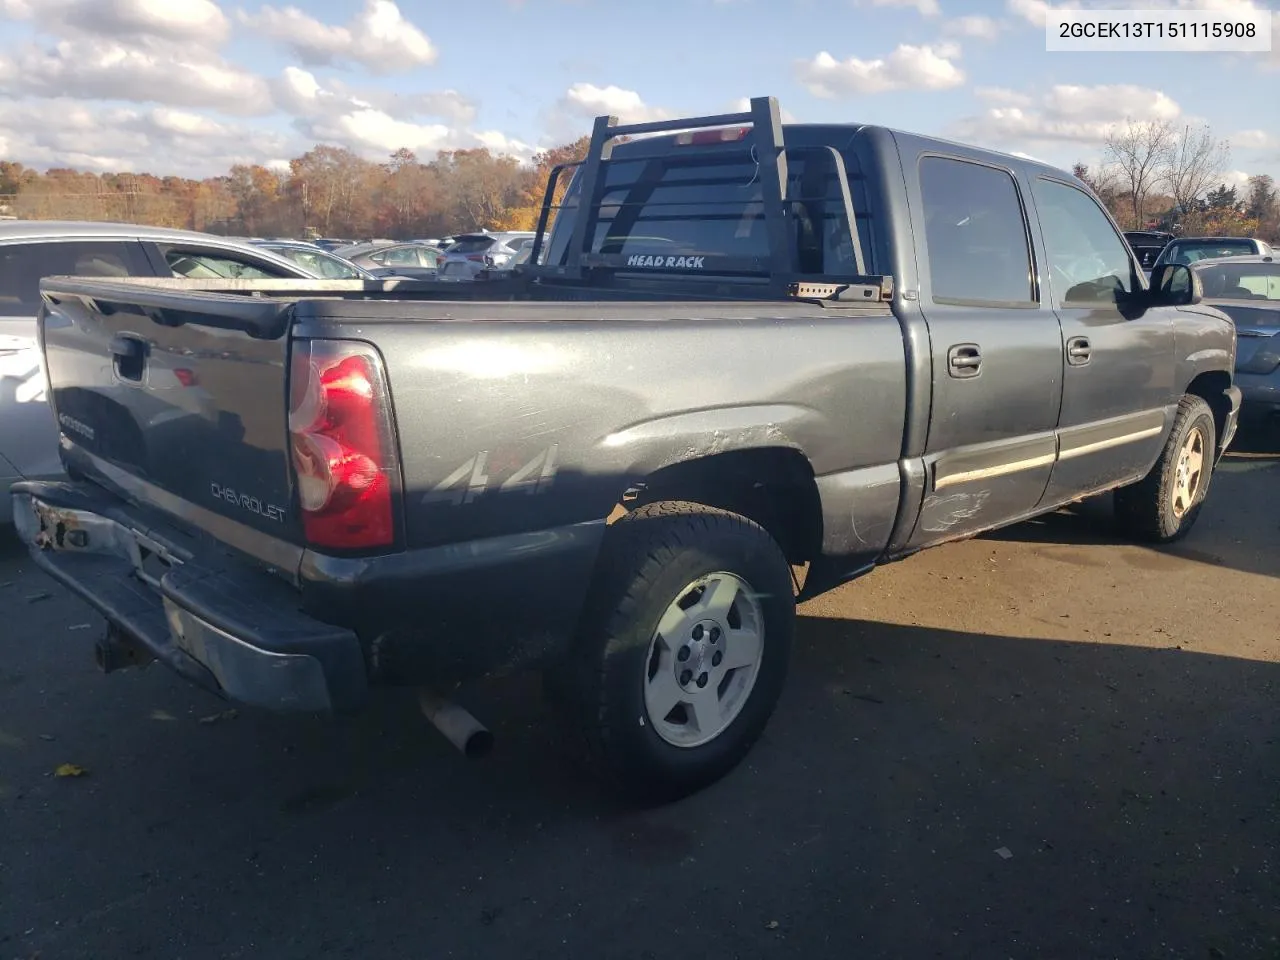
(1163, 505)
(683, 649)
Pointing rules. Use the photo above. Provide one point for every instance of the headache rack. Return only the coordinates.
(777, 270)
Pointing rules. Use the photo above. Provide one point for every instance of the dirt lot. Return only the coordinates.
(1037, 744)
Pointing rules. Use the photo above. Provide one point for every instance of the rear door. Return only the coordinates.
(28, 435)
(996, 347)
(1118, 378)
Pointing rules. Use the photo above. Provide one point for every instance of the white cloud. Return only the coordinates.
(1066, 112)
(974, 26)
(1253, 140)
(157, 140)
(907, 68)
(379, 38)
(1036, 12)
(1235, 178)
(928, 8)
(588, 100)
(1004, 95)
(106, 69)
(200, 21)
(369, 124)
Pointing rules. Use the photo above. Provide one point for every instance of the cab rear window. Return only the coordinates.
(710, 203)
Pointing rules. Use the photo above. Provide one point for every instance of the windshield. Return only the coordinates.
(1241, 281)
(1189, 251)
(319, 263)
(710, 203)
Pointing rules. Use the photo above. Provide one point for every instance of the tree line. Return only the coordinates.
(1154, 175)
(1164, 176)
(328, 191)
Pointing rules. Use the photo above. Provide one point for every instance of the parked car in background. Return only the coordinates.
(412, 260)
(31, 249)
(320, 263)
(1146, 246)
(1247, 289)
(473, 253)
(332, 243)
(1192, 249)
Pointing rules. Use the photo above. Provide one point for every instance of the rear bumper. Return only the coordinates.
(229, 628)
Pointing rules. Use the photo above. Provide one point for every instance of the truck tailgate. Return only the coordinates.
(179, 399)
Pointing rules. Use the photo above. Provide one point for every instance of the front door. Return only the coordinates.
(996, 349)
(1118, 390)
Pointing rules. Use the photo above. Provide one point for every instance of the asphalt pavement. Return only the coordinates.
(1042, 743)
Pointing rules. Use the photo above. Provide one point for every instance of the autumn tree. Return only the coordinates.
(256, 191)
(482, 188)
(1103, 182)
(324, 181)
(525, 215)
(1138, 151)
(1261, 205)
(408, 198)
(328, 190)
(1192, 160)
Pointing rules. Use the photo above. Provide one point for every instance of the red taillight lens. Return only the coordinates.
(476, 257)
(343, 447)
(186, 377)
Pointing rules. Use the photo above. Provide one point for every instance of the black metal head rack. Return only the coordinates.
(580, 263)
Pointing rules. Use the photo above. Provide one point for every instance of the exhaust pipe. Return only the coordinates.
(458, 726)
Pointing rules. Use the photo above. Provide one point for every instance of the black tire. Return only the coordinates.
(650, 556)
(1145, 510)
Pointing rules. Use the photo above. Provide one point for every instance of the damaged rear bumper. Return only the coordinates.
(228, 627)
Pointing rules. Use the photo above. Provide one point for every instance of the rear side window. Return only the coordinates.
(1192, 250)
(210, 265)
(976, 234)
(710, 203)
(22, 265)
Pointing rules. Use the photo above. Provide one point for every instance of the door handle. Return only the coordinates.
(964, 360)
(1079, 351)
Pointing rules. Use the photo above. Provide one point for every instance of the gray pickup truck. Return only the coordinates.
(746, 364)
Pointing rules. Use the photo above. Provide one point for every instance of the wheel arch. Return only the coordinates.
(772, 486)
(1211, 386)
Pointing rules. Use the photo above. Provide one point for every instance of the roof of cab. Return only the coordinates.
(820, 131)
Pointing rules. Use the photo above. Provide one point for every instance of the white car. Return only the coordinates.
(471, 253)
(31, 249)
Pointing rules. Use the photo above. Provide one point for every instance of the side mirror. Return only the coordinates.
(1176, 285)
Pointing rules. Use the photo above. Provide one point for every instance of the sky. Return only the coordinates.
(190, 87)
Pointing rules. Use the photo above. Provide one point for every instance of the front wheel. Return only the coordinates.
(683, 649)
(1163, 505)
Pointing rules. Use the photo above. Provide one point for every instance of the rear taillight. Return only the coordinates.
(476, 257)
(344, 451)
(186, 377)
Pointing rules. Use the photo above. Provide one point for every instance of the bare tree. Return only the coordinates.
(1138, 151)
(1193, 161)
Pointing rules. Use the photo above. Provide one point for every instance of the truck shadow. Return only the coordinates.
(1009, 783)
